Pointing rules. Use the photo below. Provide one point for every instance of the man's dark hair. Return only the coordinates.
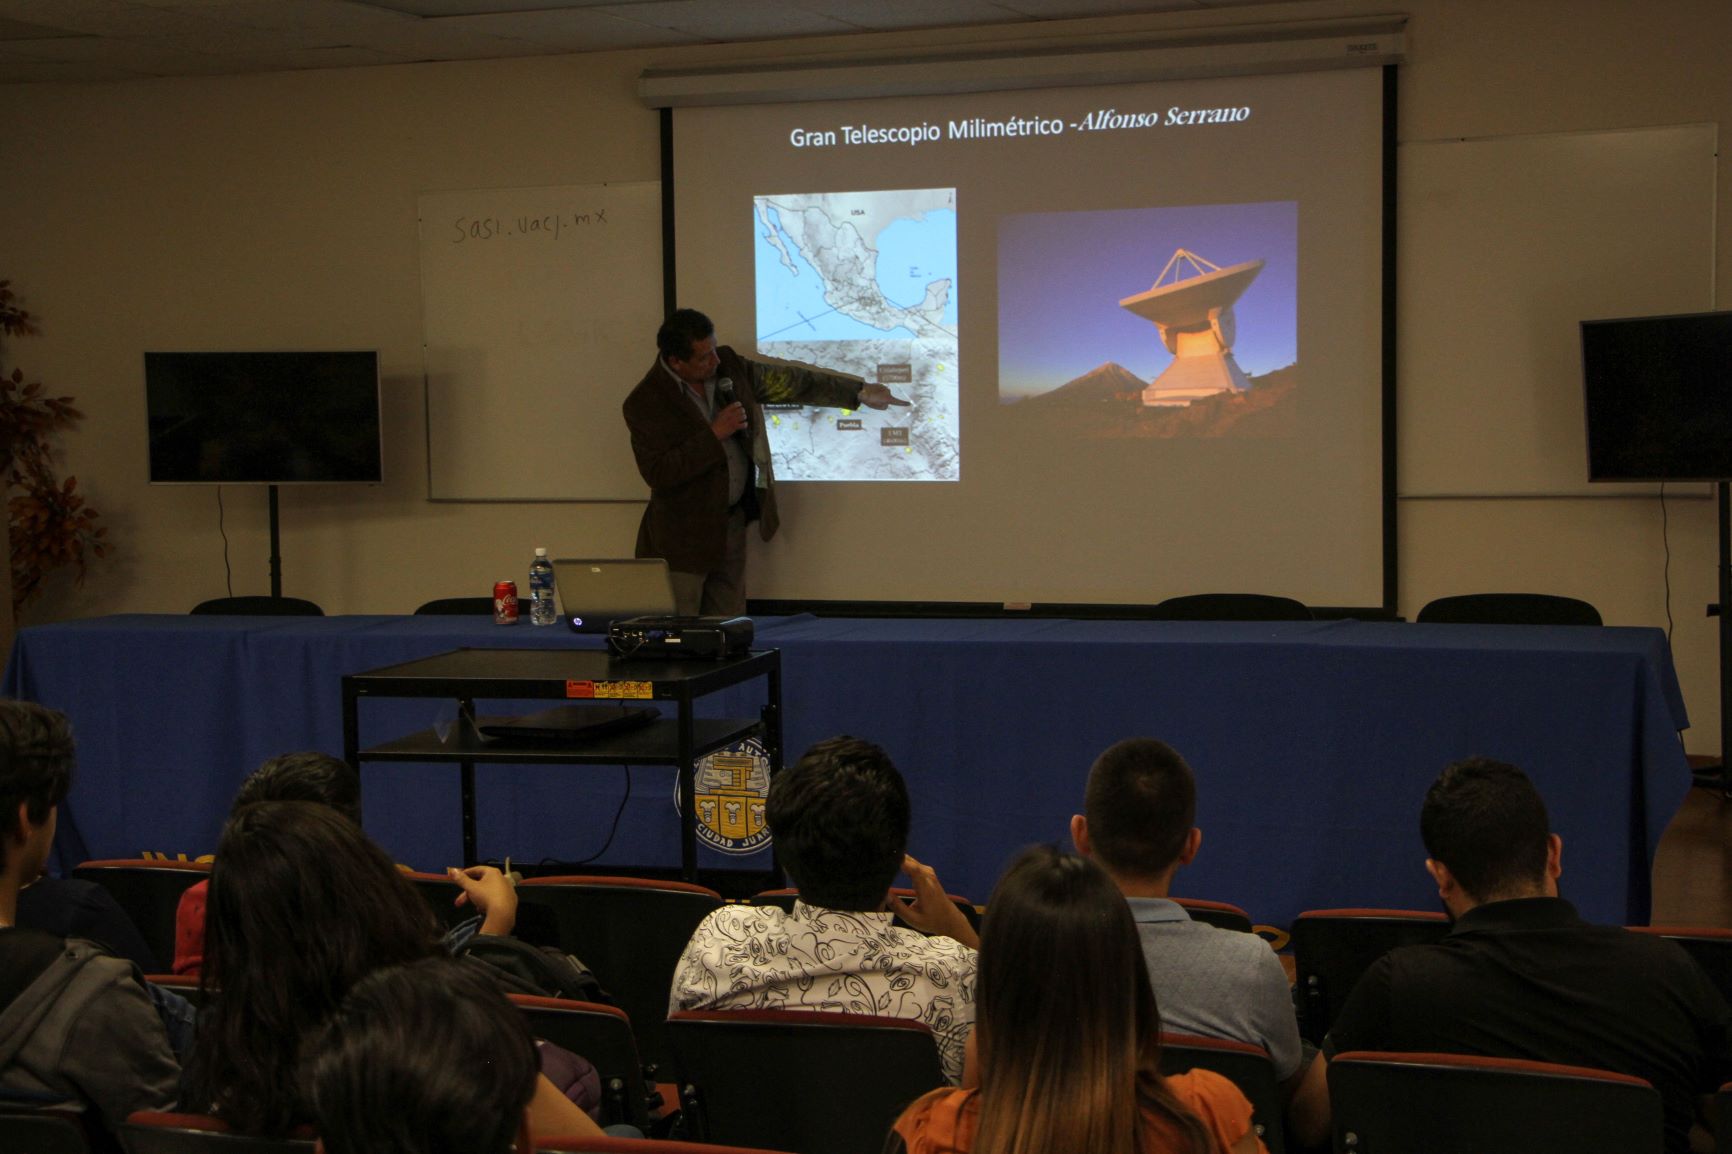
(423, 1058)
(1141, 802)
(840, 819)
(682, 329)
(35, 764)
(305, 777)
(1484, 820)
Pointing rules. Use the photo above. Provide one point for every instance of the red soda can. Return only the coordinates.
(505, 603)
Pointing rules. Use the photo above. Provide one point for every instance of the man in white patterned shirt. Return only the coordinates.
(840, 820)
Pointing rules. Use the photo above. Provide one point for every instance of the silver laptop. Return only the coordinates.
(594, 592)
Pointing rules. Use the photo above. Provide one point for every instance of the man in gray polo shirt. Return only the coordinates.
(1139, 810)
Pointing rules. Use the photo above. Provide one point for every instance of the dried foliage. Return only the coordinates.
(51, 526)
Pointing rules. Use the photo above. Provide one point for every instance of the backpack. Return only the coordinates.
(521, 968)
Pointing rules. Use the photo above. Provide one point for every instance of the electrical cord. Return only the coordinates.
(1666, 544)
(228, 573)
(613, 829)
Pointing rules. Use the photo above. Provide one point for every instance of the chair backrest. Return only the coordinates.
(784, 899)
(151, 1132)
(1246, 1066)
(258, 607)
(456, 607)
(149, 891)
(41, 1130)
(1509, 609)
(800, 1080)
(1446, 1103)
(1223, 914)
(1710, 946)
(1230, 607)
(1332, 949)
(603, 1035)
(630, 932)
(440, 893)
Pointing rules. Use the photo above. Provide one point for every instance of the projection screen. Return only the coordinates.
(1141, 328)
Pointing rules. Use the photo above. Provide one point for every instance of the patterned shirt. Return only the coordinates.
(762, 958)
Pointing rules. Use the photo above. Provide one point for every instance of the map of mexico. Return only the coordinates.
(862, 283)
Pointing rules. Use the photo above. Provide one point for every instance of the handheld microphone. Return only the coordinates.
(725, 396)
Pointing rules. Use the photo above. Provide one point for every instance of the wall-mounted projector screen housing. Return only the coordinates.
(1141, 326)
(271, 418)
(1657, 393)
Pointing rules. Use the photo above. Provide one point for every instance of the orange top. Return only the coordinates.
(943, 1122)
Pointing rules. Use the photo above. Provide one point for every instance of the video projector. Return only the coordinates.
(715, 638)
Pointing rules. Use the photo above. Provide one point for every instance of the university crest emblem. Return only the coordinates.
(731, 785)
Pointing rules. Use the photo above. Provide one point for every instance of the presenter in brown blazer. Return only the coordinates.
(706, 459)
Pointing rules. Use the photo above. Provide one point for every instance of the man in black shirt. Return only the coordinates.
(1521, 976)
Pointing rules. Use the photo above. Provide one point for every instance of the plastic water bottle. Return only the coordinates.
(541, 610)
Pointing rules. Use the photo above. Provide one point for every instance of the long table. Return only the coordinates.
(1313, 742)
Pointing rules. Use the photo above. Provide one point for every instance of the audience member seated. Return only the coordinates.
(840, 820)
(1139, 806)
(1520, 975)
(1065, 1054)
(75, 908)
(423, 1058)
(333, 782)
(302, 906)
(76, 1024)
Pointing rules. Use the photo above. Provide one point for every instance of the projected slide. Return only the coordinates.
(862, 283)
(1151, 323)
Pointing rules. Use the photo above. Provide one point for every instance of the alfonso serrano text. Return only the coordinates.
(980, 128)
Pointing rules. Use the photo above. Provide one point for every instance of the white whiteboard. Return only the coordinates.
(539, 308)
(1505, 245)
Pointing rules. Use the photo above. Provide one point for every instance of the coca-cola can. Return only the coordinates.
(505, 603)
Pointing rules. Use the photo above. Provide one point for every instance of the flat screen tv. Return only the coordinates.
(1658, 397)
(279, 418)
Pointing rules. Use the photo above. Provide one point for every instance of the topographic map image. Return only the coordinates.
(863, 283)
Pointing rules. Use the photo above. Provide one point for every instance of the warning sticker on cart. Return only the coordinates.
(611, 690)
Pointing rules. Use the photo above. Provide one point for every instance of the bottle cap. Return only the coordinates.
(541, 551)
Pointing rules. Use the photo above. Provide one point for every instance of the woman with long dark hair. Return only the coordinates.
(1065, 1054)
(302, 906)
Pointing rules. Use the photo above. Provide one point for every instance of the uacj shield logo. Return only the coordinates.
(731, 785)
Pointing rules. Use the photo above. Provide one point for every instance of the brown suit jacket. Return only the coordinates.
(684, 465)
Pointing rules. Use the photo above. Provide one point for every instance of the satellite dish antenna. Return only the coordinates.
(1194, 313)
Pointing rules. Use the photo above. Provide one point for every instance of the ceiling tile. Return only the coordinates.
(571, 30)
(725, 20)
(884, 15)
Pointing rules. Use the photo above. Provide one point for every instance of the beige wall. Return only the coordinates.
(280, 211)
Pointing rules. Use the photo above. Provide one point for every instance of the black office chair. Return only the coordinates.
(630, 932)
(1397, 1103)
(1230, 607)
(1332, 949)
(258, 607)
(37, 1130)
(807, 1080)
(456, 607)
(1246, 1066)
(603, 1035)
(154, 1132)
(149, 890)
(1709, 946)
(1224, 915)
(1509, 609)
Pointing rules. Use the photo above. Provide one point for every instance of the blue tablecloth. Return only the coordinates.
(1313, 742)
